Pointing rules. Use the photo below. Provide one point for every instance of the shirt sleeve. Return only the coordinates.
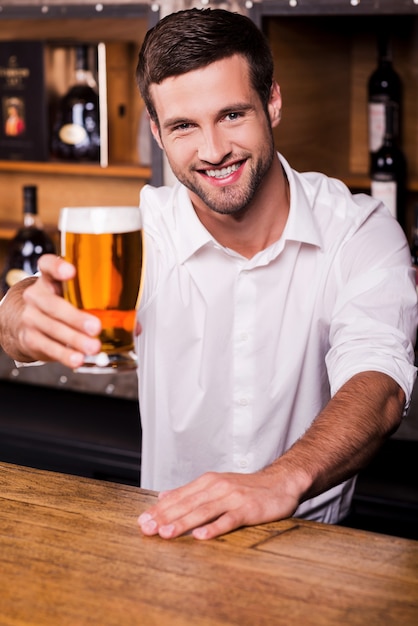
(375, 316)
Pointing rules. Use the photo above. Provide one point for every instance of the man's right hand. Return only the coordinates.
(37, 324)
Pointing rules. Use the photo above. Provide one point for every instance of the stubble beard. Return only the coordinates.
(232, 199)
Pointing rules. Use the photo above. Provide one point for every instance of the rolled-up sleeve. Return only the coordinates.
(374, 321)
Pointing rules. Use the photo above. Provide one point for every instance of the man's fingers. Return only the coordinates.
(52, 328)
(56, 268)
(208, 520)
(215, 504)
(45, 308)
(49, 339)
(47, 349)
(217, 499)
(222, 525)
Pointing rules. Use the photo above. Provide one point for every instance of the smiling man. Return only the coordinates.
(223, 152)
(276, 348)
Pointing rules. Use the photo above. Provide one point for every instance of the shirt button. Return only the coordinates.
(243, 463)
(243, 336)
(243, 401)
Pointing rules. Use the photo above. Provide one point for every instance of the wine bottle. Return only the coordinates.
(384, 89)
(29, 243)
(76, 128)
(388, 171)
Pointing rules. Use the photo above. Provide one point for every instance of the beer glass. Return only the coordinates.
(105, 244)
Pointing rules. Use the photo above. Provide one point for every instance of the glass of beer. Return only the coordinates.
(105, 244)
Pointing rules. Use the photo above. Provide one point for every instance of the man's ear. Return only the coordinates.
(156, 132)
(275, 105)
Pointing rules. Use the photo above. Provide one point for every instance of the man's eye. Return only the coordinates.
(233, 116)
(183, 126)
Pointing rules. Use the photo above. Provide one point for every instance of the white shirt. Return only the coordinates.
(238, 356)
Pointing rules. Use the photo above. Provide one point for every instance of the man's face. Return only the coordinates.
(215, 133)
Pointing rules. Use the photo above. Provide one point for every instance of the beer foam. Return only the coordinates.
(100, 220)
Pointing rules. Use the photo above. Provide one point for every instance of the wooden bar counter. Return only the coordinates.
(71, 554)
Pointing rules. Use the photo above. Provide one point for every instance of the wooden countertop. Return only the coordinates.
(71, 554)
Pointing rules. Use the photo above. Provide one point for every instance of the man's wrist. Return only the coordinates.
(291, 477)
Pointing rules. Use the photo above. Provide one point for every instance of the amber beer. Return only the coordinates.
(105, 244)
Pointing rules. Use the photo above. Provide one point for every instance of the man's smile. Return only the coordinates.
(223, 174)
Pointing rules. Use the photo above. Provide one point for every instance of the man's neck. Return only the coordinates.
(258, 227)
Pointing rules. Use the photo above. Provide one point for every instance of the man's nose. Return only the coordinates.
(213, 146)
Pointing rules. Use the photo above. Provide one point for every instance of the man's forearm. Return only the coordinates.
(345, 435)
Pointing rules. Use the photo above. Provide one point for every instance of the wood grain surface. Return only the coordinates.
(71, 554)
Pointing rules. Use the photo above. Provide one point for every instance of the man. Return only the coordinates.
(278, 310)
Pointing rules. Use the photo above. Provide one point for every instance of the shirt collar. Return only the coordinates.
(301, 226)
(189, 232)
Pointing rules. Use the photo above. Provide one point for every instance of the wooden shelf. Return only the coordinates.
(136, 172)
(363, 183)
(76, 169)
(8, 229)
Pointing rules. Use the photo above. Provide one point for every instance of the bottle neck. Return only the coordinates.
(29, 220)
(384, 52)
(85, 77)
(30, 206)
(83, 74)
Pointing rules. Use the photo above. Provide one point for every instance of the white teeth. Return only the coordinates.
(225, 171)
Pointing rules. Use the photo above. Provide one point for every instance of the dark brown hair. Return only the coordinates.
(188, 40)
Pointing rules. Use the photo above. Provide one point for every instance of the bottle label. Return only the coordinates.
(72, 134)
(386, 193)
(377, 120)
(13, 276)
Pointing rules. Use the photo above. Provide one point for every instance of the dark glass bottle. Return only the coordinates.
(384, 89)
(76, 127)
(29, 243)
(388, 172)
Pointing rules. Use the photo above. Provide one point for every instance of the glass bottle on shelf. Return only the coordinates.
(388, 171)
(76, 125)
(384, 89)
(30, 242)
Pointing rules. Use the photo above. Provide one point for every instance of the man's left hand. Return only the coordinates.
(216, 503)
